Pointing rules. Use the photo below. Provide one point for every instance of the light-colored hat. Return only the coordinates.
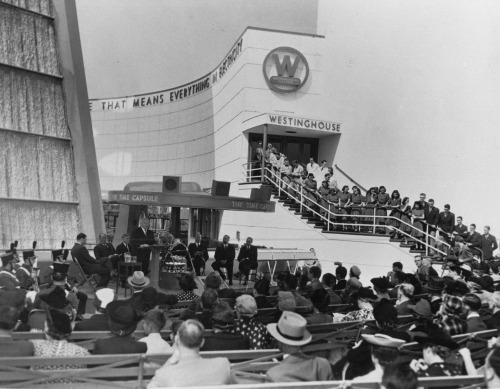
(105, 296)
(138, 280)
(290, 329)
(383, 340)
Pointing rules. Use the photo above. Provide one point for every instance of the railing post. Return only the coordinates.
(329, 216)
(374, 219)
(427, 239)
(300, 199)
(264, 149)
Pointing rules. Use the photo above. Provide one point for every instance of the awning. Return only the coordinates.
(191, 200)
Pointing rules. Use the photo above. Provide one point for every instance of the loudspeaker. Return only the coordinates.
(220, 188)
(171, 184)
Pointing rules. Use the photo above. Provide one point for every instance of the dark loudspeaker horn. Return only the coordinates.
(220, 188)
(171, 184)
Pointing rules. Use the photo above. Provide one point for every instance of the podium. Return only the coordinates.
(154, 265)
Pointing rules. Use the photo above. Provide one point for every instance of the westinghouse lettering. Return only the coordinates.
(304, 123)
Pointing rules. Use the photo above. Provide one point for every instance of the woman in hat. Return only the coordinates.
(380, 286)
(356, 204)
(291, 334)
(394, 204)
(371, 203)
(246, 325)
(344, 201)
(123, 321)
(437, 346)
(223, 338)
(363, 299)
(448, 316)
(57, 331)
(187, 285)
(383, 200)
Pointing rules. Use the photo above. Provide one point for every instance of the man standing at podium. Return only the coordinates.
(142, 237)
(224, 257)
(247, 258)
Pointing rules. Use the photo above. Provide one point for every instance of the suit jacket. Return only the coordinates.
(138, 238)
(119, 345)
(193, 249)
(97, 322)
(225, 254)
(225, 341)
(474, 239)
(431, 215)
(475, 324)
(122, 249)
(460, 230)
(104, 250)
(300, 368)
(194, 371)
(81, 253)
(488, 245)
(250, 253)
(446, 222)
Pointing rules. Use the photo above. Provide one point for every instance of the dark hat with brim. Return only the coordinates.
(422, 308)
(56, 298)
(28, 254)
(436, 284)
(380, 283)
(7, 258)
(56, 253)
(365, 293)
(122, 312)
(437, 336)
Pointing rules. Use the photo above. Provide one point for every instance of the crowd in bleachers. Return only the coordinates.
(401, 307)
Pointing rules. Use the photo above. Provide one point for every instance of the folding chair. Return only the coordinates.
(87, 278)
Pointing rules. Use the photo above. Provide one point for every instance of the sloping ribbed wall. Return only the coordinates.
(38, 197)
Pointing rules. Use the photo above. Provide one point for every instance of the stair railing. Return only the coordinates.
(328, 216)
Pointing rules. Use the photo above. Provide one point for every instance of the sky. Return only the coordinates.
(414, 82)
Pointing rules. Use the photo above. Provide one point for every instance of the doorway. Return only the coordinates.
(295, 148)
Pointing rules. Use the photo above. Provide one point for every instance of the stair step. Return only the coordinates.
(417, 251)
(395, 240)
(405, 244)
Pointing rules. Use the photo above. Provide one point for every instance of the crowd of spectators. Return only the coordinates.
(464, 298)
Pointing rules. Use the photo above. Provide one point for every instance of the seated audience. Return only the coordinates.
(386, 319)
(448, 316)
(209, 299)
(12, 348)
(223, 338)
(320, 300)
(154, 321)
(363, 299)
(353, 283)
(404, 299)
(313, 277)
(396, 266)
(247, 326)
(57, 331)
(123, 321)
(260, 293)
(399, 376)
(435, 290)
(383, 351)
(329, 282)
(290, 332)
(380, 286)
(187, 368)
(187, 284)
(341, 274)
(472, 305)
(99, 320)
(291, 284)
(437, 346)
(423, 315)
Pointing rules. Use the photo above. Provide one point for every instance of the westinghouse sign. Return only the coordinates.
(171, 95)
(309, 124)
(285, 70)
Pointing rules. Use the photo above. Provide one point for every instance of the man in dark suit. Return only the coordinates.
(446, 224)
(247, 258)
(89, 264)
(125, 247)
(472, 241)
(423, 203)
(488, 244)
(198, 253)
(431, 218)
(105, 249)
(142, 237)
(224, 257)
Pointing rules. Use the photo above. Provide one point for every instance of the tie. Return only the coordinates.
(225, 246)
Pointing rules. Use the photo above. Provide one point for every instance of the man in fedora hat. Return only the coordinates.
(145, 297)
(99, 320)
(186, 367)
(291, 334)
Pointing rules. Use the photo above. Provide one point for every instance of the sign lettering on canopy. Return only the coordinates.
(309, 124)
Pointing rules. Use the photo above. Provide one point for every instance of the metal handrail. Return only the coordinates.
(349, 178)
(279, 182)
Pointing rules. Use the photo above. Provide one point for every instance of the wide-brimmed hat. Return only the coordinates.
(380, 283)
(122, 312)
(138, 280)
(437, 336)
(422, 308)
(56, 298)
(436, 284)
(383, 340)
(365, 293)
(290, 329)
